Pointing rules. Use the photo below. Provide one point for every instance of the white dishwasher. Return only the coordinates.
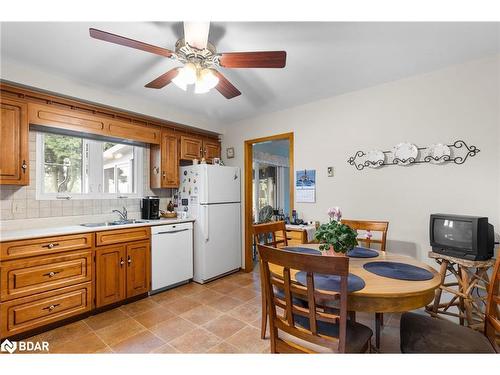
(171, 255)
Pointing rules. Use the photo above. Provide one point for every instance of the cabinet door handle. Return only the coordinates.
(121, 262)
(51, 245)
(164, 174)
(129, 260)
(51, 307)
(52, 273)
(24, 166)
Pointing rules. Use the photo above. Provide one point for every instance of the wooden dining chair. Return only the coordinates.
(425, 334)
(381, 228)
(266, 234)
(296, 328)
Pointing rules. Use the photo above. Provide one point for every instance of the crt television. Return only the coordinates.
(467, 237)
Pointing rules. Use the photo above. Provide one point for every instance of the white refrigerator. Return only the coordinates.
(211, 195)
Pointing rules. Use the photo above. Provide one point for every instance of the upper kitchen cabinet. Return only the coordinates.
(191, 148)
(81, 122)
(14, 154)
(211, 150)
(197, 148)
(165, 162)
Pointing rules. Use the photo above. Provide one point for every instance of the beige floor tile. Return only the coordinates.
(168, 295)
(85, 344)
(154, 316)
(119, 331)
(189, 289)
(142, 342)
(223, 287)
(224, 348)
(181, 305)
(206, 296)
(138, 307)
(225, 303)
(248, 313)
(196, 341)
(248, 340)
(172, 328)
(224, 326)
(245, 294)
(165, 349)
(68, 332)
(105, 319)
(201, 314)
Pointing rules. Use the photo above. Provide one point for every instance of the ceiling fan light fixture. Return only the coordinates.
(206, 81)
(186, 76)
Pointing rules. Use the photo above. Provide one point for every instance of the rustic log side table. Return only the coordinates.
(469, 291)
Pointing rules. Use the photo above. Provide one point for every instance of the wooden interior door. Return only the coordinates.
(138, 268)
(191, 148)
(14, 155)
(110, 274)
(211, 150)
(169, 161)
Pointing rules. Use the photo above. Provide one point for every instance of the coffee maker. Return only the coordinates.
(150, 208)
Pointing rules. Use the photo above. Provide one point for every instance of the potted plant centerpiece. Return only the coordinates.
(334, 237)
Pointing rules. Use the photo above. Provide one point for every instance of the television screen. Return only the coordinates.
(453, 233)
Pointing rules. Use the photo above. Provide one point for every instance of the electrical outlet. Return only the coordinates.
(330, 171)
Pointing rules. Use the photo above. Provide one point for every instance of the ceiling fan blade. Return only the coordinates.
(163, 80)
(127, 42)
(268, 59)
(196, 34)
(225, 87)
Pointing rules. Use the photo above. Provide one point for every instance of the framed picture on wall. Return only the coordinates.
(230, 152)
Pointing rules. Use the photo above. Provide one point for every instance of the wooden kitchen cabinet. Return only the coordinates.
(110, 275)
(191, 148)
(164, 162)
(211, 150)
(138, 268)
(80, 122)
(122, 271)
(14, 154)
(197, 148)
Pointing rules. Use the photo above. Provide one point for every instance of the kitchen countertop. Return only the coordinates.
(23, 234)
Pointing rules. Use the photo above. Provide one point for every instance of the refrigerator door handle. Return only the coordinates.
(205, 222)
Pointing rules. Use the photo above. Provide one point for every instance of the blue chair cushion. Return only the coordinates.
(357, 335)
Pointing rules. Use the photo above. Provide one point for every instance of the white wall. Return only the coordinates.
(459, 102)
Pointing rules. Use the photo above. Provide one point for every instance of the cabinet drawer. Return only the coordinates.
(20, 278)
(110, 237)
(24, 314)
(43, 246)
(291, 235)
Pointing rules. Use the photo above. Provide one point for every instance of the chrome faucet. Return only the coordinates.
(123, 215)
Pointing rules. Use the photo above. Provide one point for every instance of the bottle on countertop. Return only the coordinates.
(170, 206)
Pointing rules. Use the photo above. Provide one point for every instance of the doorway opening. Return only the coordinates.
(268, 184)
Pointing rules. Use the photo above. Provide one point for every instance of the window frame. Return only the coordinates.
(40, 194)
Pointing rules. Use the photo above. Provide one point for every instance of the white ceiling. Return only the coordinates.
(324, 59)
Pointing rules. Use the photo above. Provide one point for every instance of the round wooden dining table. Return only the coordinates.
(383, 294)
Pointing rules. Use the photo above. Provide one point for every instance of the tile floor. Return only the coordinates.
(219, 317)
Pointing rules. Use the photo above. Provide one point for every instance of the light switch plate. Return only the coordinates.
(330, 171)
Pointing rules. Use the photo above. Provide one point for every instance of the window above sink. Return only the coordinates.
(71, 167)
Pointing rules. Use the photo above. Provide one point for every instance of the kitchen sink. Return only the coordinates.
(116, 222)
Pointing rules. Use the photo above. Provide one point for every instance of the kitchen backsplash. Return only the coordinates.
(20, 202)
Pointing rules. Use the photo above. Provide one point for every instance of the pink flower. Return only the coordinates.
(335, 213)
(368, 234)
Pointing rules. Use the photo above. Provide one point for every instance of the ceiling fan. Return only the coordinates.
(200, 59)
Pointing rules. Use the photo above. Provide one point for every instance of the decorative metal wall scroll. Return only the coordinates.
(408, 153)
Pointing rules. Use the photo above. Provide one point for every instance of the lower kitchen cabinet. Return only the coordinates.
(138, 268)
(122, 271)
(110, 275)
